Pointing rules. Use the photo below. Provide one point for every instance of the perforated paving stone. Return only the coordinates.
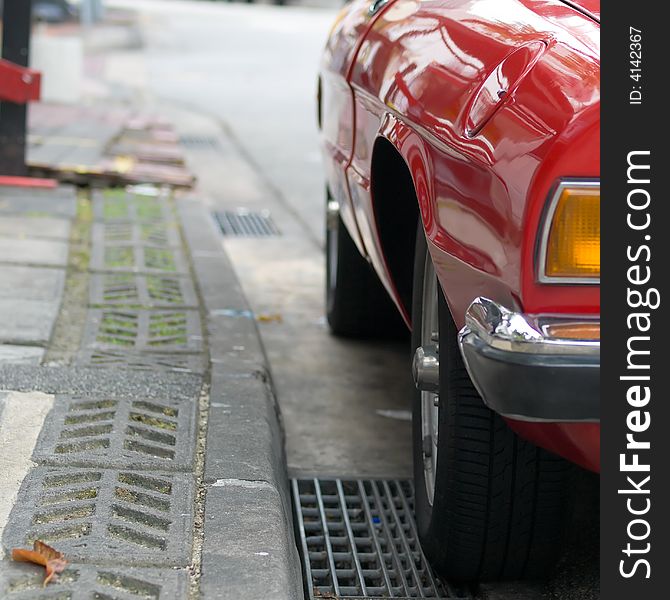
(138, 258)
(142, 361)
(120, 205)
(158, 233)
(358, 539)
(170, 331)
(20, 581)
(104, 516)
(114, 432)
(129, 289)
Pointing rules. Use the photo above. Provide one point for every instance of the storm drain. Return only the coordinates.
(199, 142)
(245, 223)
(358, 539)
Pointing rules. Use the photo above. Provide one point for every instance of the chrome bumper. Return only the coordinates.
(525, 368)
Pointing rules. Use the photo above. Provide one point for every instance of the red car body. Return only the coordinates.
(489, 103)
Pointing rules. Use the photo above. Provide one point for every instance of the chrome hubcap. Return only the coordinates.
(426, 368)
(426, 377)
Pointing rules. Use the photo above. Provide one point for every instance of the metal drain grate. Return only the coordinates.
(198, 141)
(358, 540)
(245, 223)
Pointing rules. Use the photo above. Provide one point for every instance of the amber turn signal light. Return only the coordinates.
(573, 243)
(574, 331)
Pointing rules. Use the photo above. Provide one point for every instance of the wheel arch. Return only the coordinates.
(400, 191)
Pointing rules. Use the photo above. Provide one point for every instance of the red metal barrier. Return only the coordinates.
(27, 182)
(19, 84)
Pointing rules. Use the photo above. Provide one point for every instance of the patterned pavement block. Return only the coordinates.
(124, 433)
(130, 289)
(104, 516)
(119, 205)
(138, 258)
(157, 233)
(21, 581)
(170, 331)
(141, 361)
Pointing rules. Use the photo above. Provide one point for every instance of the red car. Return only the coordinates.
(461, 145)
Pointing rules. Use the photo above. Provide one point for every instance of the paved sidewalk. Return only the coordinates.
(34, 238)
(139, 431)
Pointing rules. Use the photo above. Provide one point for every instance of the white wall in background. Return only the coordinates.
(60, 59)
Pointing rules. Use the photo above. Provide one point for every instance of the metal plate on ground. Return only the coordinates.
(105, 516)
(245, 223)
(199, 141)
(116, 328)
(130, 289)
(358, 539)
(21, 581)
(115, 432)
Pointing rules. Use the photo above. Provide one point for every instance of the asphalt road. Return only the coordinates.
(246, 75)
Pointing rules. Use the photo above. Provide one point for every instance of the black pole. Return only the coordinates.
(16, 20)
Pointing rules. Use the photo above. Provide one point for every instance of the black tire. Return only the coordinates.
(357, 304)
(499, 502)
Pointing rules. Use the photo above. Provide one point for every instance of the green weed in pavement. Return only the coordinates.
(116, 257)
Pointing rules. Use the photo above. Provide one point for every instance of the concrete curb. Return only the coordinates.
(249, 550)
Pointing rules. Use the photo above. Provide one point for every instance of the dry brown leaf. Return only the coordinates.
(42, 554)
(269, 318)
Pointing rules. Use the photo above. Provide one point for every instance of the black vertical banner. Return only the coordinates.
(635, 359)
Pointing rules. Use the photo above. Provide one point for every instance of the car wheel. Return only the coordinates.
(488, 504)
(357, 305)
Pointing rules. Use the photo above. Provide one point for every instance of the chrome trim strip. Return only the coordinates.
(510, 331)
(548, 218)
